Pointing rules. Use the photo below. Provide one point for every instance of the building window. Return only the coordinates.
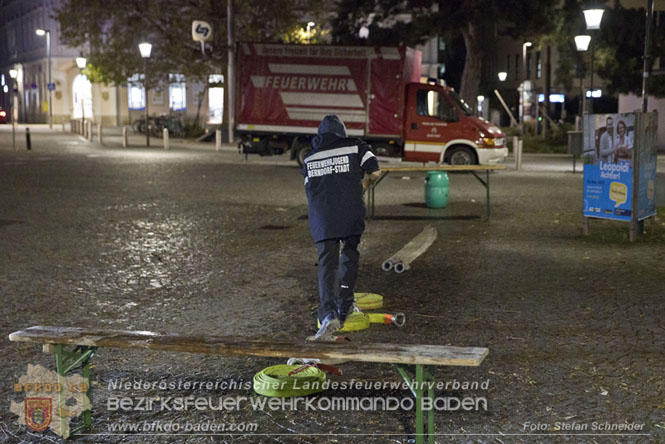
(82, 104)
(136, 92)
(539, 66)
(216, 98)
(177, 92)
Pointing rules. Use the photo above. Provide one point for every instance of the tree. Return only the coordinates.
(413, 21)
(108, 33)
(620, 50)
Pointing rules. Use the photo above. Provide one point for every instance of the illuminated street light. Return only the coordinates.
(582, 42)
(47, 33)
(592, 17)
(310, 25)
(13, 73)
(145, 48)
(525, 45)
(81, 62)
(503, 76)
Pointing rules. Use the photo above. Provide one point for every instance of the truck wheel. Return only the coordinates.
(303, 151)
(385, 149)
(461, 155)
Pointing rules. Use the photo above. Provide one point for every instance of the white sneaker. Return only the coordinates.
(325, 333)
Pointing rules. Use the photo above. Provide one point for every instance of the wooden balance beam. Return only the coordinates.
(414, 358)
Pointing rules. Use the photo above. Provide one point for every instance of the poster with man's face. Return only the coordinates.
(610, 139)
(608, 165)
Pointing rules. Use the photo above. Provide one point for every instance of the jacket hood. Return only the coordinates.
(332, 124)
(330, 130)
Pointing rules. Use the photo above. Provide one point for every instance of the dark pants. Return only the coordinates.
(337, 277)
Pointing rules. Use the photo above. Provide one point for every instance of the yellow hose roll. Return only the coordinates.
(275, 381)
(368, 301)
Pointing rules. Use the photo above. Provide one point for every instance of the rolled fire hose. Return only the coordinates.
(361, 321)
(368, 301)
(354, 322)
(275, 381)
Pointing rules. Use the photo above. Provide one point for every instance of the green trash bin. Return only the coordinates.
(437, 186)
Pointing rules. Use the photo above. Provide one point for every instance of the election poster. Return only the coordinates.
(646, 190)
(620, 166)
(608, 165)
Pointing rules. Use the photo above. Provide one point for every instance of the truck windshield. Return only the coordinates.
(466, 109)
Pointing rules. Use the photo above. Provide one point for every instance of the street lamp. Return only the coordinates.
(503, 76)
(310, 25)
(80, 62)
(42, 32)
(592, 17)
(145, 49)
(525, 45)
(14, 74)
(582, 44)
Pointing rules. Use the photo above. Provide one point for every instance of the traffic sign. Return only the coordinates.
(51, 86)
(201, 31)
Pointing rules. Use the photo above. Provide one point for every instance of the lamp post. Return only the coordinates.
(310, 25)
(525, 45)
(42, 32)
(145, 49)
(592, 17)
(80, 62)
(14, 74)
(582, 44)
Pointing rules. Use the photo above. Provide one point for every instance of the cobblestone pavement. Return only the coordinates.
(192, 241)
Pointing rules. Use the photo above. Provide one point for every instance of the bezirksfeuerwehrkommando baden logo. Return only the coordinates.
(49, 400)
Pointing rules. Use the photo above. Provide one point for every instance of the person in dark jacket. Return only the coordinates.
(334, 184)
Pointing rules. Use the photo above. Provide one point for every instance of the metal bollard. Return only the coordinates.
(99, 133)
(124, 137)
(165, 136)
(90, 131)
(63, 125)
(27, 139)
(518, 156)
(218, 140)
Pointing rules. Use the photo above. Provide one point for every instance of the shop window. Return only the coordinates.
(177, 92)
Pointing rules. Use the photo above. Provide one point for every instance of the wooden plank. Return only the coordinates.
(236, 346)
(446, 168)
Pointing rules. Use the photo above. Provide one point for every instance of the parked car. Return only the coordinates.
(3, 115)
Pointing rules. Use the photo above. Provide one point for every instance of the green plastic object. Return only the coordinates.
(437, 186)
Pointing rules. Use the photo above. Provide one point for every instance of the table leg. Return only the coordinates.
(487, 190)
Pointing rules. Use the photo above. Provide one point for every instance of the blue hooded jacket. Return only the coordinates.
(333, 173)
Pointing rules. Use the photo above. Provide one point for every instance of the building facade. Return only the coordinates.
(73, 96)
